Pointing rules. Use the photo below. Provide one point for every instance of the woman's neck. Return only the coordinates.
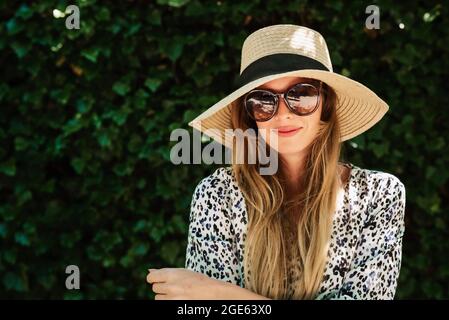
(294, 169)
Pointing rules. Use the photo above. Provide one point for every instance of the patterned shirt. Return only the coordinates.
(364, 256)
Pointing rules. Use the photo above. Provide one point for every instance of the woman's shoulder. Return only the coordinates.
(378, 195)
(219, 178)
(218, 201)
(364, 183)
(218, 185)
(374, 180)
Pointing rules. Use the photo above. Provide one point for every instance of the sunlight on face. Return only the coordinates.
(299, 141)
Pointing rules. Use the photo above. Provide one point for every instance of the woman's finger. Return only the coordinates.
(150, 278)
(164, 275)
(156, 275)
(161, 287)
(161, 297)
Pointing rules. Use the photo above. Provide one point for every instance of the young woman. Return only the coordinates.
(318, 228)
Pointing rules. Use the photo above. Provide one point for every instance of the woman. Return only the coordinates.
(317, 228)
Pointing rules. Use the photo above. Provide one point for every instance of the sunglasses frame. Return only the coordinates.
(284, 96)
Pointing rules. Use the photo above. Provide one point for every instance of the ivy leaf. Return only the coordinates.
(172, 47)
(103, 14)
(3, 230)
(24, 12)
(21, 49)
(91, 54)
(22, 239)
(72, 126)
(78, 164)
(121, 88)
(20, 143)
(8, 168)
(153, 84)
(12, 281)
(104, 139)
(13, 27)
(169, 251)
(173, 3)
(189, 115)
(123, 169)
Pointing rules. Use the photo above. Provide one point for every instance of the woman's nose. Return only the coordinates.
(283, 110)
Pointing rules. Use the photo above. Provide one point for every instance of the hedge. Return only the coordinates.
(86, 115)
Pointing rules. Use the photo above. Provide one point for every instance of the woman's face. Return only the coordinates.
(290, 142)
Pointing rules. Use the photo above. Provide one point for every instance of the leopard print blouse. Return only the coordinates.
(364, 256)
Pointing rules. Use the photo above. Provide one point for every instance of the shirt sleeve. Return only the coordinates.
(211, 248)
(375, 267)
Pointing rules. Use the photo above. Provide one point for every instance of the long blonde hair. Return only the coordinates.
(273, 209)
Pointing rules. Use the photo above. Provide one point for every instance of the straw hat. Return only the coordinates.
(289, 50)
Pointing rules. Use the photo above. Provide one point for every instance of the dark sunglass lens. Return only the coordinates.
(260, 105)
(303, 98)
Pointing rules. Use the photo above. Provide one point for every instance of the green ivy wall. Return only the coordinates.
(86, 115)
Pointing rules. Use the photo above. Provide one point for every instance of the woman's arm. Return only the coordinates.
(184, 284)
(211, 247)
(211, 242)
(230, 291)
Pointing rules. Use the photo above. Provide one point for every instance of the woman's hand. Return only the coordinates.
(184, 284)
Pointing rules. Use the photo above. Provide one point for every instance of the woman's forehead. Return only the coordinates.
(280, 84)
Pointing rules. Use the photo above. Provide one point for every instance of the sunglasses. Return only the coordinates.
(302, 99)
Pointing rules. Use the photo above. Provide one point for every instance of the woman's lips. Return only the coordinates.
(287, 132)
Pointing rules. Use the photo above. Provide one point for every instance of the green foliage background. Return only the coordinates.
(86, 115)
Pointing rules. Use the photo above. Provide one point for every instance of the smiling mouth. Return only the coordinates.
(287, 133)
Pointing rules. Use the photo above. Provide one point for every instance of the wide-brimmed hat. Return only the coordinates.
(289, 50)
